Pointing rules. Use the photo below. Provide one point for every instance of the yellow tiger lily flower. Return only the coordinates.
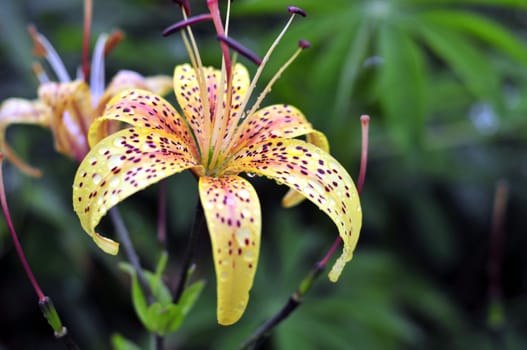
(68, 107)
(217, 138)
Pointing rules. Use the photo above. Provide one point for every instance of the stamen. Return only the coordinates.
(185, 23)
(115, 38)
(86, 39)
(97, 73)
(302, 44)
(44, 48)
(38, 48)
(233, 44)
(40, 73)
(296, 10)
(195, 59)
(264, 62)
(185, 5)
(365, 122)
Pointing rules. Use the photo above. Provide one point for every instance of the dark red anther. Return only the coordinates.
(236, 46)
(185, 5)
(182, 24)
(304, 44)
(296, 11)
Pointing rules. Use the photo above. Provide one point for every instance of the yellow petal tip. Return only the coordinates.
(337, 268)
(107, 245)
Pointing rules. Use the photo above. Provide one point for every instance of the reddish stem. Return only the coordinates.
(16, 242)
(216, 18)
(86, 39)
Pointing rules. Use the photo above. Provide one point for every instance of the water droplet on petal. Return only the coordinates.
(251, 174)
(242, 235)
(248, 256)
(96, 179)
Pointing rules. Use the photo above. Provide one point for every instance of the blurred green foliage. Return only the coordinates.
(444, 82)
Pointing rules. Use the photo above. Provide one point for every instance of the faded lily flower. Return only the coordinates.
(68, 107)
(216, 137)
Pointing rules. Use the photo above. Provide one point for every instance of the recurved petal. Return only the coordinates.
(120, 165)
(20, 111)
(127, 79)
(232, 210)
(159, 84)
(314, 173)
(271, 122)
(143, 109)
(293, 197)
(71, 116)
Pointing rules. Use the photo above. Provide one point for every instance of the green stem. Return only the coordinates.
(131, 254)
(197, 226)
(133, 258)
(291, 305)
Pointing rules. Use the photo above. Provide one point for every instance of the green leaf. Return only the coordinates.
(358, 47)
(190, 296)
(162, 316)
(511, 3)
(470, 64)
(121, 343)
(482, 28)
(402, 85)
(138, 297)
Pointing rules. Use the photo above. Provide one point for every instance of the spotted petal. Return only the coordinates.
(145, 110)
(193, 100)
(314, 173)
(20, 111)
(120, 165)
(126, 79)
(271, 122)
(232, 210)
(293, 197)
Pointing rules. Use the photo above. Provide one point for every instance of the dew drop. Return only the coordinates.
(96, 179)
(115, 161)
(242, 234)
(118, 142)
(114, 199)
(251, 174)
(224, 276)
(114, 182)
(248, 256)
(243, 193)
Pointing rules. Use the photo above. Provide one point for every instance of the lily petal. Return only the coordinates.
(314, 173)
(120, 165)
(190, 99)
(126, 79)
(271, 122)
(20, 111)
(145, 110)
(293, 197)
(232, 210)
(71, 115)
(193, 100)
